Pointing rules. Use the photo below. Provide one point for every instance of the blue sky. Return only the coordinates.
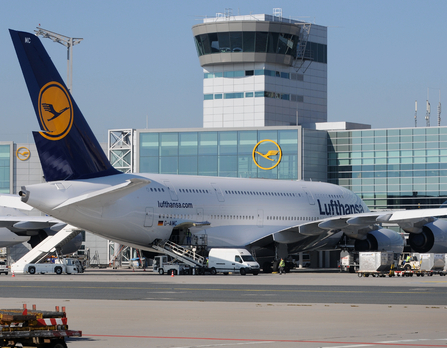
(138, 62)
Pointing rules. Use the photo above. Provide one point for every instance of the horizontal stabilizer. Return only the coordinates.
(125, 187)
(13, 201)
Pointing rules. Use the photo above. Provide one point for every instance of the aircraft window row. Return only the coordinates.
(193, 191)
(232, 217)
(292, 218)
(330, 196)
(157, 189)
(256, 193)
(175, 216)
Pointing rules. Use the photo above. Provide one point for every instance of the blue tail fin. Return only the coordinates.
(67, 148)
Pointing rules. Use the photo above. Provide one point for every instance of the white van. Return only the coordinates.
(232, 260)
(3, 267)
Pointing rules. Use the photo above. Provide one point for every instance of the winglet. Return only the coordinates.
(67, 148)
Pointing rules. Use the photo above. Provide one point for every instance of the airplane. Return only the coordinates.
(20, 223)
(273, 217)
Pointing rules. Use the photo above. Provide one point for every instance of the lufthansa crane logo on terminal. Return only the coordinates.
(55, 111)
(23, 153)
(273, 154)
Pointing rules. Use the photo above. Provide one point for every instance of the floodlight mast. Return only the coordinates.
(68, 42)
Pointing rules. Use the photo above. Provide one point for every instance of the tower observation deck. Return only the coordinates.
(262, 70)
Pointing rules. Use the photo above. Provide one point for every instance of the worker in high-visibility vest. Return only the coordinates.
(282, 267)
(188, 238)
(407, 259)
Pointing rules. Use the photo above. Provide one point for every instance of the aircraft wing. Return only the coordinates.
(13, 218)
(354, 225)
(21, 223)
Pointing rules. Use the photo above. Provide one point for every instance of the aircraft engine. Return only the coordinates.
(381, 239)
(432, 239)
(70, 247)
(73, 245)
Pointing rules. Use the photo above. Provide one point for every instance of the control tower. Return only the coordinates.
(262, 70)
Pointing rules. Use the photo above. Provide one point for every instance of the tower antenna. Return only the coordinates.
(416, 113)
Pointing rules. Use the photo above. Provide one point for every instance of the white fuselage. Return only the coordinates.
(239, 211)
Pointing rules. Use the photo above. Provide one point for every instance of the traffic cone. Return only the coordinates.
(13, 275)
(172, 274)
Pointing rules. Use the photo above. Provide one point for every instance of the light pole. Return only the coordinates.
(68, 42)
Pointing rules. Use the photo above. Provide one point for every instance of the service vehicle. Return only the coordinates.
(432, 263)
(65, 265)
(376, 264)
(35, 328)
(348, 261)
(163, 265)
(4, 267)
(222, 260)
(219, 260)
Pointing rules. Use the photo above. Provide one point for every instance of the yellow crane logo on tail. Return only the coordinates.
(268, 155)
(55, 111)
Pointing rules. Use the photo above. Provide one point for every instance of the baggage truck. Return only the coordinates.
(421, 264)
(433, 264)
(376, 263)
(35, 328)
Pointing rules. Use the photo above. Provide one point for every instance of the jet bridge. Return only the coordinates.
(185, 255)
(48, 245)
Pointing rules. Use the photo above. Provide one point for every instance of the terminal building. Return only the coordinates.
(265, 88)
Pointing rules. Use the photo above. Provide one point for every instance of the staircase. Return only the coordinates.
(48, 245)
(180, 253)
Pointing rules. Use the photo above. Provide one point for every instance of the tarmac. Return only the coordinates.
(208, 323)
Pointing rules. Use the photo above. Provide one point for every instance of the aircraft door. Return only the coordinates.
(218, 192)
(199, 214)
(310, 197)
(149, 218)
(172, 190)
(260, 218)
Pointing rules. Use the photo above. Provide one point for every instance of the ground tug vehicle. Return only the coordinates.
(60, 266)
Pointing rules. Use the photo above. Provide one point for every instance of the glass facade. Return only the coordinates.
(391, 168)
(260, 42)
(5, 168)
(246, 41)
(218, 153)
